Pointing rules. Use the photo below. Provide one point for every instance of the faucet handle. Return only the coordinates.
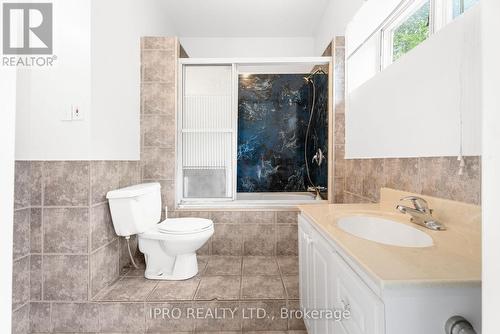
(419, 203)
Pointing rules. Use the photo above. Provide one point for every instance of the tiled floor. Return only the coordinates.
(232, 282)
(220, 278)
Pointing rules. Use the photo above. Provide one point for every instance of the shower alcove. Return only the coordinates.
(254, 132)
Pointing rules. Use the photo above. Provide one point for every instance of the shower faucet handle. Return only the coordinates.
(318, 157)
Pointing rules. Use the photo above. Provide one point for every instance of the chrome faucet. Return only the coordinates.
(420, 213)
(317, 190)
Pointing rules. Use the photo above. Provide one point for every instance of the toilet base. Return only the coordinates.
(180, 267)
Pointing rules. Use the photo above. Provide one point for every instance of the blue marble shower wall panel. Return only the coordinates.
(273, 115)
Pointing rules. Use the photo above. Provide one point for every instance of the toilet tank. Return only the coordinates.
(135, 209)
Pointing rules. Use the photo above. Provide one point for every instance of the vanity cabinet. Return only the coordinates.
(327, 283)
(331, 280)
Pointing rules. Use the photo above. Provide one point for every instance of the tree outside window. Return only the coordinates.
(413, 31)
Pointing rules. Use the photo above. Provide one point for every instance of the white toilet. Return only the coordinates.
(169, 246)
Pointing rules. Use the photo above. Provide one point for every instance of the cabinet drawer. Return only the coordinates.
(366, 309)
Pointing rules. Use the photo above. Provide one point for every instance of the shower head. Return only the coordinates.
(309, 77)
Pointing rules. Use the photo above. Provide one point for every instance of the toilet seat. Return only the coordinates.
(171, 227)
(184, 225)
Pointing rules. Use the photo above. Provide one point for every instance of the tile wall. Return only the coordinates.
(65, 248)
(236, 232)
(360, 180)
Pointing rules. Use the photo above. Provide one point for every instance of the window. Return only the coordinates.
(410, 27)
(413, 31)
(460, 6)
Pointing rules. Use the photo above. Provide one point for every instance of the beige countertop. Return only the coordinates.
(455, 257)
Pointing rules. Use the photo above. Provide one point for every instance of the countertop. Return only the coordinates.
(454, 259)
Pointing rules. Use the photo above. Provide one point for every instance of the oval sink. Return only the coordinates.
(384, 231)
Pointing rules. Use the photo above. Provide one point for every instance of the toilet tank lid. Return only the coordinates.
(133, 191)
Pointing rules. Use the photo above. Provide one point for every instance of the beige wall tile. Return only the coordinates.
(21, 236)
(158, 43)
(353, 176)
(130, 173)
(35, 277)
(158, 130)
(287, 243)
(403, 174)
(104, 267)
(102, 230)
(75, 317)
(374, 178)
(40, 318)
(65, 230)
(65, 277)
(258, 239)
(105, 176)
(67, 183)
(227, 240)
(36, 230)
(339, 130)
(158, 98)
(158, 163)
(258, 217)
(20, 320)
(339, 165)
(36, 183)
(227, 217)
(286, 217)
(21, 282)
(158, 66)
(122, 317)
(22, 185)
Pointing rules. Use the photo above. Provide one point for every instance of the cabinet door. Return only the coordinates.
(366, 309)
(304, 267)
(323, 284)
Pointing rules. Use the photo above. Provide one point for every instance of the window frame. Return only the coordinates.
(406, 9)
(182, 202)
(441, 14)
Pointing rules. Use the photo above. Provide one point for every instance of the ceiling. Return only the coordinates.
(245, 18)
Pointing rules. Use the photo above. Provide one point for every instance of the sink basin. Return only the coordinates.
(384, 231)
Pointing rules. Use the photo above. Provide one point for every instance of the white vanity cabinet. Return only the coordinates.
(329, 280)
(327, 283)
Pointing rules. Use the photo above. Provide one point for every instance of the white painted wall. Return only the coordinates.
(117, 26)
(411, 109)
(44, 94)
(366, 20)
(491, 165)
(98, 68)
(333, 22)
(7, 137)
(214, 47)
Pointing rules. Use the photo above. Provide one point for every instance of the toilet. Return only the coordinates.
(169, 246)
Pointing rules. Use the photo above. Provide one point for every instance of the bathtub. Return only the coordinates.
(257, 201)
(272, 197)
(278, 199)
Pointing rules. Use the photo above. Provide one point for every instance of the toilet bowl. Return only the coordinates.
(169, 246)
